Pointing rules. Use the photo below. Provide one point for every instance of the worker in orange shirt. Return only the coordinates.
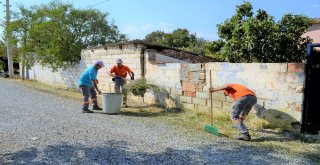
(119, 73)
(244, 100)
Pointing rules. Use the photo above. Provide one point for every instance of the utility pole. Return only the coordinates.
(8, 35)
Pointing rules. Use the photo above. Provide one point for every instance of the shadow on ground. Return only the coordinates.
(277, 119)
(285, 136)
(119, 152)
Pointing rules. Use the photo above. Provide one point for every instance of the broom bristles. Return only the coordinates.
(211, 129)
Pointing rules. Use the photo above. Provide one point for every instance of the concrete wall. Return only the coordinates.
(131, 55)
(185, 85)
(275, 84)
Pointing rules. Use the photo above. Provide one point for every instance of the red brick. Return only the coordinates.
(190, 94)
(188, 86)
(296, 67)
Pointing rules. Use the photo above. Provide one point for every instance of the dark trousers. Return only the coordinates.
(87, 92)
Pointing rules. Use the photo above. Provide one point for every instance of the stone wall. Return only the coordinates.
(131, 55)
(185, 85)
(275, 84)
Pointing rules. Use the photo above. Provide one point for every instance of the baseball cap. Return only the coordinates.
(119, 60)
(100, 63)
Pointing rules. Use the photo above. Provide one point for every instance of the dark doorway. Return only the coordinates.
(311, 102)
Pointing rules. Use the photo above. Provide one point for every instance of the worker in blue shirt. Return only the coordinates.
(88, 85)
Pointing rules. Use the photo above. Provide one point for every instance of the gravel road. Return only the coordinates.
(40, 128)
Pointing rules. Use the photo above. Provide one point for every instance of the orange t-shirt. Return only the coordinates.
(120, 71)
(236, 91)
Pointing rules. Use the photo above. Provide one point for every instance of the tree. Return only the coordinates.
(58, 32)
(258, 38)
(157, 37)
(3, 49)
(20, 28)
(182, 39)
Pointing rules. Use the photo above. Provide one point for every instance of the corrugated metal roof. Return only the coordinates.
(170, 51)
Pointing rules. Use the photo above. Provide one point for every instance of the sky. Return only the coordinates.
(137, 18)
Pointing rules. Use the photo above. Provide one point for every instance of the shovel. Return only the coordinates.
(210, 128)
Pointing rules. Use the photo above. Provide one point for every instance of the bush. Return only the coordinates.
(140, 86)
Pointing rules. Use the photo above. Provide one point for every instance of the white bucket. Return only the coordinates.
(111, 103)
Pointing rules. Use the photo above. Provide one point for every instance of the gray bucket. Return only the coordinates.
(111, 103)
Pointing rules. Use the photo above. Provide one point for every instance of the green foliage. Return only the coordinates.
(139, 87)
(3, 50)
(157, 37)
(182, 39)
(258, 38)
(58, 32)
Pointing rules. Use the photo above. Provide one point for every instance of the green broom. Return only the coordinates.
(210, 128)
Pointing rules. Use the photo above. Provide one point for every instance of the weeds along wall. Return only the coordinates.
(185, 85)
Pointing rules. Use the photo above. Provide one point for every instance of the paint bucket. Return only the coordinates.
(111, 103)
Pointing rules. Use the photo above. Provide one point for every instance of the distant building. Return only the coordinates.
(314, 31)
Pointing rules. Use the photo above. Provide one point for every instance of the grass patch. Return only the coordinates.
(263, 134)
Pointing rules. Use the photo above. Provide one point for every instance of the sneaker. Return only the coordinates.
(244, 136)
(97, 108)
(86, 111)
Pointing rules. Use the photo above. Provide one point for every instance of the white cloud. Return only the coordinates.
(133, 29)
(207, 36)
(315, 6)
(137, 32)
(166, 27)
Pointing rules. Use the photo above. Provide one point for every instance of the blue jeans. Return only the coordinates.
(242, 107)
(88, 91)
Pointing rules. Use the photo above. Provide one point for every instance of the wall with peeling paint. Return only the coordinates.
(185, 85)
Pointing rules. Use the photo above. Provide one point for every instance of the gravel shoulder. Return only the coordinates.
(40, 128)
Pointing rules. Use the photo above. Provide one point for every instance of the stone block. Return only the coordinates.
(193, 67)
(202, 95)
(215, 104)
(219, 96)
(225, 66)
(277, 67)
(198, 101)
(185, 99)
(276, 86)
(175, 91)
(184, 74)
(188, 106)
(296, 78)
(194, 77)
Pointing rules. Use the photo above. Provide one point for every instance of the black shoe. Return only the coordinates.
(244, 136)
(86, 111)
(97, 108)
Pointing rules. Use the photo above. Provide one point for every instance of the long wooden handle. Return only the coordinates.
(211, 114)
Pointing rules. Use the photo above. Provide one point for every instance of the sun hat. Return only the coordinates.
(100, 63)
